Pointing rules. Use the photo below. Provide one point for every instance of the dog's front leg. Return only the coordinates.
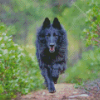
(46, 72)
(51, 84)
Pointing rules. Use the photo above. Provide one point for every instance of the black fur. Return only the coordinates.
(51, 51)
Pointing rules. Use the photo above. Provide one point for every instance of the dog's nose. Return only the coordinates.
(51, 44)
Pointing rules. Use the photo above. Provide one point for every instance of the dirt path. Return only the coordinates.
(63, 92)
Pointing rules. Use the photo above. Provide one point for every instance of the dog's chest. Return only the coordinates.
(49, 58)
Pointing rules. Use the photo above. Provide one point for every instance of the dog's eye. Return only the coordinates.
(48, 35)
(54, 35)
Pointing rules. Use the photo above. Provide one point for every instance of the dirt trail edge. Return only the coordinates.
(63, 92)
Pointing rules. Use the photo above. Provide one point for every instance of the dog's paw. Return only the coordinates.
(62, 69)
(52, 89)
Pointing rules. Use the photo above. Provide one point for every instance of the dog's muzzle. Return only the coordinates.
(52, 47)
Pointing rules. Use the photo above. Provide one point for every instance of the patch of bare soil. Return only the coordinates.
(63, 92)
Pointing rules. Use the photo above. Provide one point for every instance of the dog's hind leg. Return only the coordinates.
(55, 73)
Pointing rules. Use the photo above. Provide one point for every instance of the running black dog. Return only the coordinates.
(51, 51)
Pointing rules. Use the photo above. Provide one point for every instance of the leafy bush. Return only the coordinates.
(73, 20)
(92, 33)
(87, 68)
(19, 71)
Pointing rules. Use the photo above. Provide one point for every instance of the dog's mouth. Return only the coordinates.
(52, 49)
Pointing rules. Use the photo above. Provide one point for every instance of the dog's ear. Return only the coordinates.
(46, 23)
(56, 23)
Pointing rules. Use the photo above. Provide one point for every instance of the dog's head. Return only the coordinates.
(51, 33)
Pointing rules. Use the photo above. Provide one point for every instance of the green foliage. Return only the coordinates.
(23, 15)
(92, 33)
(11, 30)
(87, 68)
(19, 71)
(73, 19)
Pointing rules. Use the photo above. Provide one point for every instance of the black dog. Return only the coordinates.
(51, 46)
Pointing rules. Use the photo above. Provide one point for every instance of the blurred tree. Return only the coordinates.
(58, 6)
(21, 14)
